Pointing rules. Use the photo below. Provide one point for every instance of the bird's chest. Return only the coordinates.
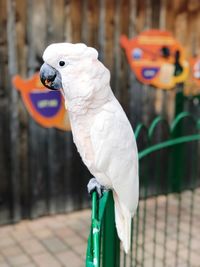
(81, 130)
(82, 139)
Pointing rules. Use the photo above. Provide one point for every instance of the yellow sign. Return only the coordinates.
(192, 86)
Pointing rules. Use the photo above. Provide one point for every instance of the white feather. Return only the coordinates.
(101, 130)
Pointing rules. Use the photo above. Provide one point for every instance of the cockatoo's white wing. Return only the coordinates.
(115, 153)
(116, 162)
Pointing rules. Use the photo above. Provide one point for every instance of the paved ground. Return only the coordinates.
(168, 231)
(46, 242)
(60, 241)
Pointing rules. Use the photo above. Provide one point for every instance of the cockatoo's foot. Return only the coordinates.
(93, 185)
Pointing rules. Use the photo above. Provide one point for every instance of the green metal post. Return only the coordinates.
(177, 166)
(96, 230)
(177, 154)
(179, 101)
(110, 242)
(177, 159)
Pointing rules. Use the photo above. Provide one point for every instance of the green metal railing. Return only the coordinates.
(159, 143)
(103, 237)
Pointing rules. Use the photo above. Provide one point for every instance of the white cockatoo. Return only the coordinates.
(101, 131)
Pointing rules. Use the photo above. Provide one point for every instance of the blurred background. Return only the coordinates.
(41, 172)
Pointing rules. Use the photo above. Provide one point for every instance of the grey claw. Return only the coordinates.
(93, 185)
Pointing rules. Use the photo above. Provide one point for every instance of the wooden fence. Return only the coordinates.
(40, 170)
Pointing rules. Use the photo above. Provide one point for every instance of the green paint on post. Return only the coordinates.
(110, 242)
(179, 101)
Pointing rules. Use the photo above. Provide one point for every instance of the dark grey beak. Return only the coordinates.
(50, 77)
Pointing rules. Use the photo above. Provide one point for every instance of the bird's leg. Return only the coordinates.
(93, 185)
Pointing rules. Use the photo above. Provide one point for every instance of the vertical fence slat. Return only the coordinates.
(93, 25)
(5, 183)
(134, 90)
(116, 73)
(84, 22)
(13, 106)
(76, 20)
(121, 67)
(37, 141)
(101, 32)
(52, 157)
(67, 22)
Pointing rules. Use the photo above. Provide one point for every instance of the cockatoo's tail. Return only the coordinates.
(100, 128)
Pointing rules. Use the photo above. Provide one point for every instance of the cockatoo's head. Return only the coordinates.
(62, 60)
(76, 71)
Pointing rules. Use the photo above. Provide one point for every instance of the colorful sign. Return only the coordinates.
(192, 86)
(156, 58)
(45, 106)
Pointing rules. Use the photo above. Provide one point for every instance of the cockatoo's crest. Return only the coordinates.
(70, 67)
(67, 51)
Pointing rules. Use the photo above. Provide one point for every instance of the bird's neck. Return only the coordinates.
(88, 105)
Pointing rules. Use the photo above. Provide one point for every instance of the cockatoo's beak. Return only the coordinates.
(50, 77)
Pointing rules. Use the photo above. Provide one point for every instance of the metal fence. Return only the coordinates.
(166, 227)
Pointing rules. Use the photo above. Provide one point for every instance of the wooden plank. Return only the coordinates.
(55, 140)
(116, 57)
(21, 35)
(84, 23)
(141, 96)
(57, 21)
(5, 184)
(109, 33)
(37, 18)
(101, 32)
(148, 92)
(140, 10)
(76, 20)
(156, 9)
(67, 22)
(13, 116)
(148, 14)
(5, 164)
(52, 161)
(37, 141)
(65, 201)
(93, 17)
(21, 44)
(120, 63)
(162, 25)
(3, 49)
(134, 94)
(60, 172)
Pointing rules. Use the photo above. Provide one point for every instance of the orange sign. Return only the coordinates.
(156, 58)
(193, 82)
(45, 106)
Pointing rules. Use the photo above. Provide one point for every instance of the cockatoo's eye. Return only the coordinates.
(61, 63)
